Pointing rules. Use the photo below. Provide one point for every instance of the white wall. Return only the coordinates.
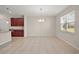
(72, 39)
(25, 26)
(6, 36)
(34, 28)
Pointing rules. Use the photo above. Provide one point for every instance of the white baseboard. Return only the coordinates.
(4, 42)
(69, 43)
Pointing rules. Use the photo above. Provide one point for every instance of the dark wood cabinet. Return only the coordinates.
(17, 22)
(18, 33)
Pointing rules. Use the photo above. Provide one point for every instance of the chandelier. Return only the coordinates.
(41, 19)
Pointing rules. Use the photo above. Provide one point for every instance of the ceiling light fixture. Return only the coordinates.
(41, 19)
(9, 10)
(7, 22)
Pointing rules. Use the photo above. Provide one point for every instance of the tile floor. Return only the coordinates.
(37, 45)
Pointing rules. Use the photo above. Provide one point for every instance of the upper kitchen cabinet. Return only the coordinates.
(17, 21)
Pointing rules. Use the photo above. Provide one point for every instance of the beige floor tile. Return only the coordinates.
(37, 45)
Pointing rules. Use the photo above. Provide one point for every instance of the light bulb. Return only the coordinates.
(7, 22)
(41, 20)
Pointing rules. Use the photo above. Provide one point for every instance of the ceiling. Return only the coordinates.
(33, 10)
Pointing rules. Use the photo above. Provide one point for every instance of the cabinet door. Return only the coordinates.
(18, 33)
(17, 21)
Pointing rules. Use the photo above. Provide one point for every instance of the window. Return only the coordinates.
(68, 22)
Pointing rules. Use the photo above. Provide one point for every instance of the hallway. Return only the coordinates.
(37, 45)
